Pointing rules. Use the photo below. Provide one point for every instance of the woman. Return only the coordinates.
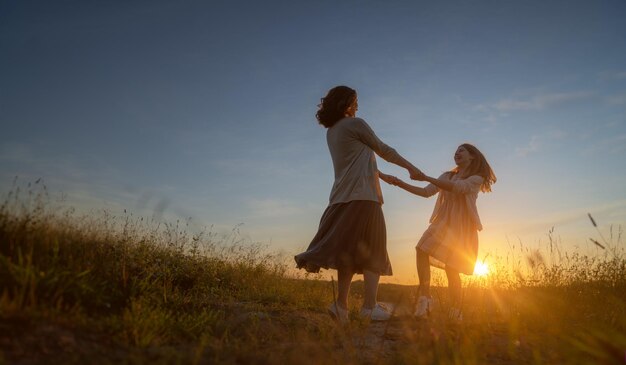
(351, 237)
(451, 240)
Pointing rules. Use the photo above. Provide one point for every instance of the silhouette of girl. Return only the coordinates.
(451, 240)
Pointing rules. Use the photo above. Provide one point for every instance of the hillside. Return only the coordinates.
(109, 290)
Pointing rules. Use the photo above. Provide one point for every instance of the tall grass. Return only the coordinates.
(144, 283)
(554, 266)
(103, 289)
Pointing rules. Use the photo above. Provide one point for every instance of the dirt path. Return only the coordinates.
(404, 339)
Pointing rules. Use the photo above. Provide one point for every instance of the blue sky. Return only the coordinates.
(205, 109)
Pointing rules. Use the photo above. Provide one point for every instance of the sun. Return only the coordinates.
(481, 269)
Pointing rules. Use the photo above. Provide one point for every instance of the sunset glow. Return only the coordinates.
(481, 269)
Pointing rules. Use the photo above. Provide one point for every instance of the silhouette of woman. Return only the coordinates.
(351, 237)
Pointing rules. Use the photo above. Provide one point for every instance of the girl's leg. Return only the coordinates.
(344, 280)
(371, 289)
(454, 285)
(423, 272)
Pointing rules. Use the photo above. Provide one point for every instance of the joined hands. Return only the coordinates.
(390, 179)
(417, 174)
(414, 173)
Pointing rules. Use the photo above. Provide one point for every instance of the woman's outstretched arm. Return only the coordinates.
(368, 137)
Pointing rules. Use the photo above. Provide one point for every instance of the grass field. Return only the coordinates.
(102, 289)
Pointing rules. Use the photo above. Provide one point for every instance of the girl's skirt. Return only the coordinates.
(451, 246)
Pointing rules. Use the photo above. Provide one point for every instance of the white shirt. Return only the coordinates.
(466, 189)
(352, 144)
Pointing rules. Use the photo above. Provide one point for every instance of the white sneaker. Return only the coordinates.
(455, 315)
(379, 313)
(338, 314)
(424, 306)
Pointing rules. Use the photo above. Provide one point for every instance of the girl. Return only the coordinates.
(451, 240)
(351, 237)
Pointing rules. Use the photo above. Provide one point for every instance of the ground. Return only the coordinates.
(284, 336)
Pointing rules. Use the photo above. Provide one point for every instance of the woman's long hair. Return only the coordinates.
(479, 166)
(334, 105)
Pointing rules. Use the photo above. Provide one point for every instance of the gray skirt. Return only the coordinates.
(351, 236)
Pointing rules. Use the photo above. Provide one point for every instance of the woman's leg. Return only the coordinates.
(423, 272)
(344, 280)
(370, 280)
(454, 285)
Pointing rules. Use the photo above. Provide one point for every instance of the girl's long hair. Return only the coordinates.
(334, 105)
(479, 166)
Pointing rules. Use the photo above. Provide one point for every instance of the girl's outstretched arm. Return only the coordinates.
(411, 189)
(440, 183)
(386, 178)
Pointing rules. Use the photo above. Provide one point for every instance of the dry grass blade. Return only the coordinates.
(597, 243)
(597, 229)
(592, 220)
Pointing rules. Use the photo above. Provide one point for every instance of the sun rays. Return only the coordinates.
(481, 268)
